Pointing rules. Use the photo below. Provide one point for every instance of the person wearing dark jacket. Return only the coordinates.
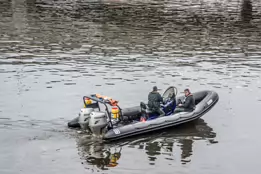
(154, 102)
(188, 104)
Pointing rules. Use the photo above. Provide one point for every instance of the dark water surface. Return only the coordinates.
(54, 52)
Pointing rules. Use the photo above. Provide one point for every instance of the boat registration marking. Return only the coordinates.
(116, 131)
(210, 101)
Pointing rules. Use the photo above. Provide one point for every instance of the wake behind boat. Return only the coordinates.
(115, 123)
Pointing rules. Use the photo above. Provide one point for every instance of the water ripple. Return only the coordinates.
(53, 52)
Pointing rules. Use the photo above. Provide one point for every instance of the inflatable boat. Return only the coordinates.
(114, 123)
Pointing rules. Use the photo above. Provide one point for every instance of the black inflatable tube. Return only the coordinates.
(205, 101)
(74, 123)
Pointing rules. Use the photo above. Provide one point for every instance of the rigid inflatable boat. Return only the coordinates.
(120, 123)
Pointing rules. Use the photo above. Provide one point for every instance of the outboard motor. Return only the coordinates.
(97, 123)
(84, 117)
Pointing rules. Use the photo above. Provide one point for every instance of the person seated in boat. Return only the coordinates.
(188, 103)
(154, 102)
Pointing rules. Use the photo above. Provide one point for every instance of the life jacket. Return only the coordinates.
(111, 101)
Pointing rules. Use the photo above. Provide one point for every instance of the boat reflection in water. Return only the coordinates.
(106, 155)
(99, 154)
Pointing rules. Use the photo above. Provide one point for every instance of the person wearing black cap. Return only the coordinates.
(154, 101)
(188, 104)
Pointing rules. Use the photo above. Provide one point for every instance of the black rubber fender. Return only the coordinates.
(74, 123)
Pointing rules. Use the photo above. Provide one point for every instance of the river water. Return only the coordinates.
(54, 52)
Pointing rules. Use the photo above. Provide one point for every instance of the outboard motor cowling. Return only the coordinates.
(84, 117)
(97, 123)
